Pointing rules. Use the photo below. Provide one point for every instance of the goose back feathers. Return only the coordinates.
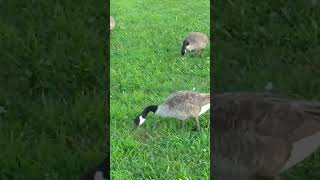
(266, 115)
(184, 104)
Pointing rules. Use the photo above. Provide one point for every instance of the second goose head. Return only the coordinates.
(184, 47)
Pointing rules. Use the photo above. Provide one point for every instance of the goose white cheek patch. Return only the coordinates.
(187, 48)
(141, 120)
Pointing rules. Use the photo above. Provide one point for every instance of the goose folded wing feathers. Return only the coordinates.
(205, 99)
(284, 131)
(188, 97)
(245, 155)
(290, 119)
(267, 115)
(187, 103)
(312, 109)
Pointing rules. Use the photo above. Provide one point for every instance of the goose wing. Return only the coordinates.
(247, 154)
(187, 102)
(267, 115)
(197, 39)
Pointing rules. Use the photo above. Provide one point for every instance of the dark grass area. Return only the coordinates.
(52, 77)
(257, 42)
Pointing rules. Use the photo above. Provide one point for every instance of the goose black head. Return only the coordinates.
(140, 119)
(183, 48)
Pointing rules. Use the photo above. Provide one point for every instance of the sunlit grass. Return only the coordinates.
(145, 68)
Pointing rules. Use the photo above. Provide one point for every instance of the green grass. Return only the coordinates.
(276, 41)
(52, 76)
(145, 69)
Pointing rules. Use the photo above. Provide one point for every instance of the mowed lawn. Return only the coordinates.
(52, 81)
(257, 42)
(145, 68)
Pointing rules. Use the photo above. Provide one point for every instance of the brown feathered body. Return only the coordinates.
(184, 104)
(196, 41)
(262, 134)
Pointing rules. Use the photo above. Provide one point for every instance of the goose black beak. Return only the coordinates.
(136, 122)
(139, 120)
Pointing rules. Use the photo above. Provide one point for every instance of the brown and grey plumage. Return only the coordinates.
(262, 134)
(112, 22)
(180, 105)
(194, 41)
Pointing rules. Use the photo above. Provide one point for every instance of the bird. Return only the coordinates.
(112, 22)
(262, 134)
(194, 41)
(99, 172)
(180, 105)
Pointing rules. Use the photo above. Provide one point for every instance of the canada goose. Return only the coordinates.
(194, 41)
(261, 134)
(98, 173)
(112, 23)
(180, 105)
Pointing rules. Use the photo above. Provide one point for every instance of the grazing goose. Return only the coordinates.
(261, 134)
(180, 105)
(112, 23)
(194, 41)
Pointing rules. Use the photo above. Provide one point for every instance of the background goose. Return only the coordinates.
(194, 41)
(262, 134)
(112, 22)
(180, 105)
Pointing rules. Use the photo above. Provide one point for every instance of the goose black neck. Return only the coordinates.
(151, 108)
(184, 45)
